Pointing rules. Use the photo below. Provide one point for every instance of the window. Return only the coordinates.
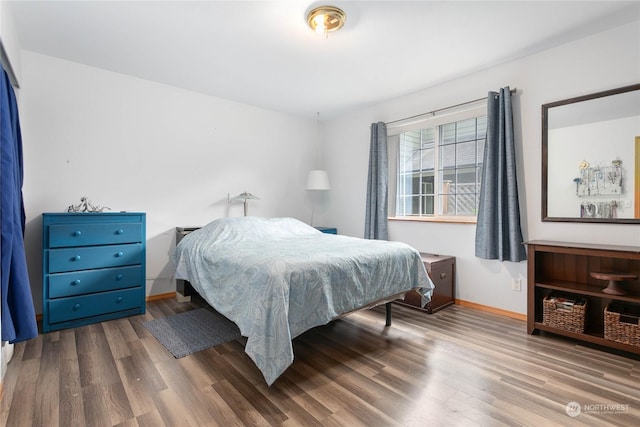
(439, 168)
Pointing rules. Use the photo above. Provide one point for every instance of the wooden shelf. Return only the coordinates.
(570, 247)
(594, 338)
(589, 290)
(566, 268)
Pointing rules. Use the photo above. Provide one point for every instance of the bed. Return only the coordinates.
(279, 277)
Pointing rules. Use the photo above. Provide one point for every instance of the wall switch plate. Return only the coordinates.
(516, 285)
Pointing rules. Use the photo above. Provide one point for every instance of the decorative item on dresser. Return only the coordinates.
(566, 271)
(442, 270)
(93, 267)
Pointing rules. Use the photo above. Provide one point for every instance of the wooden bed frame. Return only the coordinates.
(184, 287)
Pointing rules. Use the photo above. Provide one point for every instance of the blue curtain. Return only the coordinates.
(18, 315)
(498, 232)
(377, 185)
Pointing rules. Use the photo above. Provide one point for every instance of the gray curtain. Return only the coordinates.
(377, 185)
(498, 232)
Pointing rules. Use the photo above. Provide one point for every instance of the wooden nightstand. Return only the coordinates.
(442, 270)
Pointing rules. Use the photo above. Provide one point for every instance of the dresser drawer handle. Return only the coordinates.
(120, 231)
(119, 299)
(77, 233)
(119, 254)
(76, 258)
(119, 277)
(443, 275)
(76, 307)
(75, 282)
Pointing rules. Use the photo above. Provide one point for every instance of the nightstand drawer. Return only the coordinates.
(64, 235)
(63, 309)
(441, 274)
(90, 281)
(84, 258)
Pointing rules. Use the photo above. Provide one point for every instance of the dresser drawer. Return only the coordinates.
(89, 281)
(84, 258)
(64, 309)
(65, 235)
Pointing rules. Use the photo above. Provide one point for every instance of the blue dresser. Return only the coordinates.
(93, 267)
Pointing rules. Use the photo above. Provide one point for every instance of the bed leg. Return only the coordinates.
(387, 309)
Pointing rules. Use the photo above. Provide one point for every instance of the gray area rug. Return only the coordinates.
(192, 331)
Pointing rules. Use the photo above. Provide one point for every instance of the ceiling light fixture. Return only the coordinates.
(326, 19)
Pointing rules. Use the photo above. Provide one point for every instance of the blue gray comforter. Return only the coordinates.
(279, 277)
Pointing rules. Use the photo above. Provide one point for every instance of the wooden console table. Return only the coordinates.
(567, 268)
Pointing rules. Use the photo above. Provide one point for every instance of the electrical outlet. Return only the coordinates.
(516, 285)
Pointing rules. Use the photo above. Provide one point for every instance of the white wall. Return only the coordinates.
(135, 145)
(9, 37)
(604, 61)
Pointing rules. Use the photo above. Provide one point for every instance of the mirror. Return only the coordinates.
(591, 158)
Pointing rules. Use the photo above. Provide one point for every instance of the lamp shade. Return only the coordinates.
(318, 180)
(245, 196)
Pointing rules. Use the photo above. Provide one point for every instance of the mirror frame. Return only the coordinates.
(545, 153)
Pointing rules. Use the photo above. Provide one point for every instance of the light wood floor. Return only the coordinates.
(457, 367)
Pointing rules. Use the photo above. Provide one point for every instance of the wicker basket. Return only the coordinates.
(558, 314)
(622, 324)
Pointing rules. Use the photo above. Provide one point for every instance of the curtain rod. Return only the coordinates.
(433, 112)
